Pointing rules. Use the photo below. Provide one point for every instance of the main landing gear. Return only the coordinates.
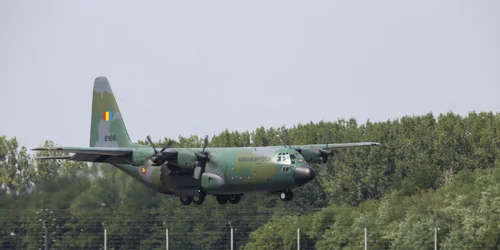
(186, 200)
(198, 200)
(286, 195)
(221, 199)
(232, 198)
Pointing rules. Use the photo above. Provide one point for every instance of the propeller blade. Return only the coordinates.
(149, 162)
(164, 170)
(152, 144)
(197, 172)
(205, 142)
(323, 169)
(337, 155)
(324, 160)
(325, 153)
(201, 160)
(201, 156)
(328, 137)
(169, 143)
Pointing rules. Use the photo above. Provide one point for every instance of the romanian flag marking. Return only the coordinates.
(107, 116)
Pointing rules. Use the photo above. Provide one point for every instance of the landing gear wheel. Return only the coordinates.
(234, 198)
(286, 195)
(222, 199)
(198, 200)
(186, 200)
(282, 196)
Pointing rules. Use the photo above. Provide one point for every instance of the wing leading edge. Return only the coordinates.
(106, 155)
(331, 146)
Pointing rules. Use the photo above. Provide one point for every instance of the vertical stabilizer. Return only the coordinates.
(107, 128)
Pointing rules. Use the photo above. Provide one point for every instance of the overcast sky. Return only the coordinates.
(199, 67)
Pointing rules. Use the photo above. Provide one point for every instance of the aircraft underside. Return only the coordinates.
(227, 194)
(285, 195)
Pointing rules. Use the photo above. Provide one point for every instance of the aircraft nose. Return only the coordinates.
(302, 175)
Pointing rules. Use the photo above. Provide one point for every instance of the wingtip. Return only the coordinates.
(46, 149)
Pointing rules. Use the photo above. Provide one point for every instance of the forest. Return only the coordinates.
(432, 171)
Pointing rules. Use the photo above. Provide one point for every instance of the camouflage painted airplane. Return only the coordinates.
(194, 173)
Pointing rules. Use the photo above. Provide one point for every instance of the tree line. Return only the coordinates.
(431, 171)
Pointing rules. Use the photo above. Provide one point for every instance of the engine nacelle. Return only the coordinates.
(211, 183)
(140, 155)
(186, 159)
(310, 154)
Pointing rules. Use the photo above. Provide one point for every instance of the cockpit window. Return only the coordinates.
(287, 158)
(283, 157)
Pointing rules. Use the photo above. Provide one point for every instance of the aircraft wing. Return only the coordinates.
(107, 155)
(347, 145)
(331, 146)
(316, 152)
(99, 151)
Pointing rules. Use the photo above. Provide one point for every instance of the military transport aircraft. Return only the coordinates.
(194, 173)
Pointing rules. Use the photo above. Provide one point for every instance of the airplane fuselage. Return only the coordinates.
(193, 173)
(230, 171)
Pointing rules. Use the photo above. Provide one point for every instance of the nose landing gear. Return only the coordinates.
(286, 195)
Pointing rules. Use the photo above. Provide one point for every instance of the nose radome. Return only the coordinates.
(302, 175)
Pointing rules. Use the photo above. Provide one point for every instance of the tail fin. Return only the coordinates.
(107, 128)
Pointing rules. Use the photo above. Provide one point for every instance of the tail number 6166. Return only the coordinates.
(110, 138)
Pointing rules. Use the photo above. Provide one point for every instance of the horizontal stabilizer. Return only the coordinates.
(88, 156)
(53, 157)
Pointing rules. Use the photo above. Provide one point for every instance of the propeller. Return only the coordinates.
(324, 159)
(157, 154)
(201, 160)
(325, 153)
